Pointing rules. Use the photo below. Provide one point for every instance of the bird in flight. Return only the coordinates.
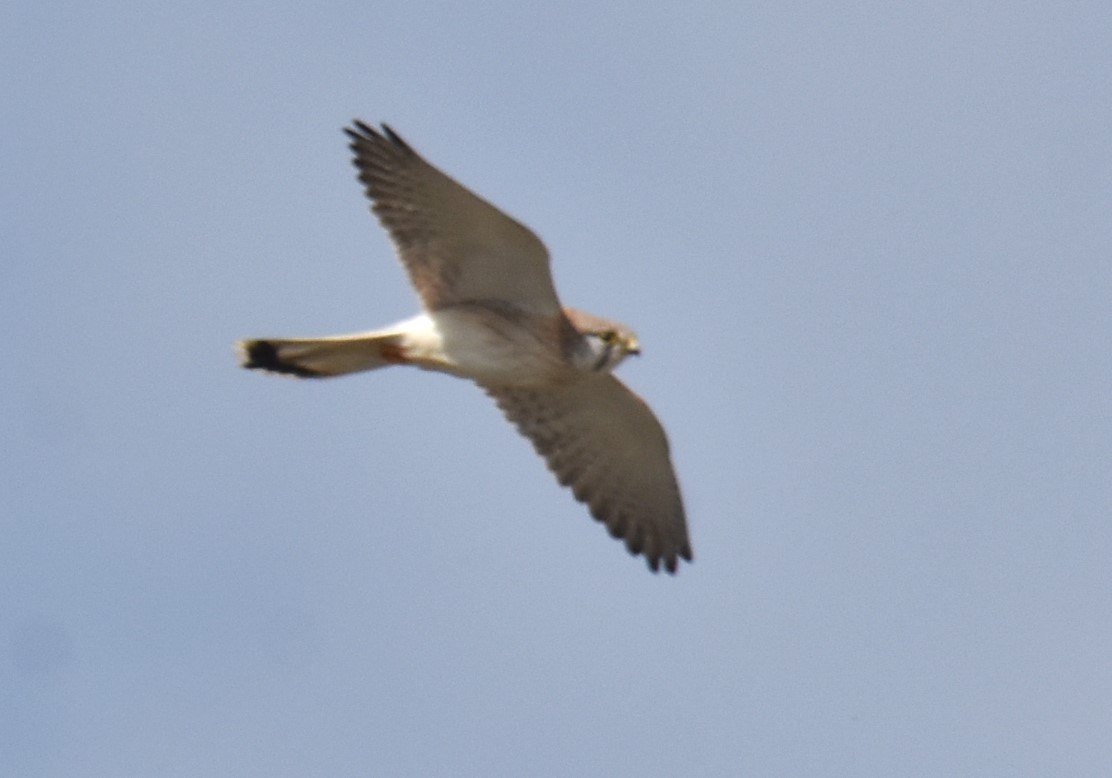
(490, 314)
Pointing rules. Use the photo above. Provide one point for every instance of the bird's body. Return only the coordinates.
(491, 315)
(466, 341)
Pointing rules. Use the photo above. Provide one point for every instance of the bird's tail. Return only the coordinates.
(322, 357)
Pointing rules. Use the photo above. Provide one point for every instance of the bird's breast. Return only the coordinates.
(498, 345)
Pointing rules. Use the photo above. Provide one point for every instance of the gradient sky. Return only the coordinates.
(867, 248)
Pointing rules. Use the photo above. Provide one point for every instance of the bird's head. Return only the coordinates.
(604, 343)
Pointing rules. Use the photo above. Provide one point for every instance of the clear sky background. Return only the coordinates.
(867, 247)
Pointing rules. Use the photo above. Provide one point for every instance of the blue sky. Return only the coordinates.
(866, 248)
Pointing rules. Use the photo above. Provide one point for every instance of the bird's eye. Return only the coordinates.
(607, 336)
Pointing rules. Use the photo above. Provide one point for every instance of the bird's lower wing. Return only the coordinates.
(604, 442)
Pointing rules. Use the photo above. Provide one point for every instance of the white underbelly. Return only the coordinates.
(485, 346)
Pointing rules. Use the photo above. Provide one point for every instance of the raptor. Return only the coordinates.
(490, 314)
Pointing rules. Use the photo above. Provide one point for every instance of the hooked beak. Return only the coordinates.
(633, 347)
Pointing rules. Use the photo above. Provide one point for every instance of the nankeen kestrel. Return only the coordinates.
(491, 315)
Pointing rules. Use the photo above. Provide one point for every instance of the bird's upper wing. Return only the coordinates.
(456, 246)
(602, 440)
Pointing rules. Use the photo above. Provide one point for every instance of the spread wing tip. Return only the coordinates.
(360, 132)
(670, 560)
(651, 546)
